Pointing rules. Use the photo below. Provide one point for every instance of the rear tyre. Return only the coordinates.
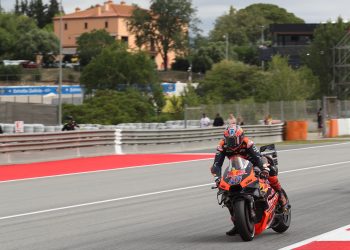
(284, 218)
(243, 221)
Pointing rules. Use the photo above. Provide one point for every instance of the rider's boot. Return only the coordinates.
(275, 184)
(233, 231)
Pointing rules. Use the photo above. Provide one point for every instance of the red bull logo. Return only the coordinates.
(235, 172)
(235, 180)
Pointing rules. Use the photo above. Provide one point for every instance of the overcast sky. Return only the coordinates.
(312, 11)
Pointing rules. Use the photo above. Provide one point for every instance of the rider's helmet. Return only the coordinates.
(233, 136)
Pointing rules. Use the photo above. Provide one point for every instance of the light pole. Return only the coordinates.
(60, 70)
(189, 70)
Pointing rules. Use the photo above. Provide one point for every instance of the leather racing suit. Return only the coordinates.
(248, 151)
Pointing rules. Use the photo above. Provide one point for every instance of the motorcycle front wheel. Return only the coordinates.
(243, 221)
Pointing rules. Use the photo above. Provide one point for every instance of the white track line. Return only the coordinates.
(101, 202)
(146, 194)
(150, 165)
(312, 147)
(339, 234)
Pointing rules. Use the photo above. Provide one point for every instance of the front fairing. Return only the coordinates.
(238, 175)
(234, 171)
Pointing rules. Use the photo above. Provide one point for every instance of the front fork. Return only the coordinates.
(251, 204)
(228, 202)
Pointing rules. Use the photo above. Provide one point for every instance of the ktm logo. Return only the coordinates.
(249, 181)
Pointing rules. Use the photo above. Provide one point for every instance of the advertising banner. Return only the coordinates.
(168, 87)
(39, 90)
(19, 126)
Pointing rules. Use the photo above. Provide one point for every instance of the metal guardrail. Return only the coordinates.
(60, 145)
(47, 141)
(190, 135)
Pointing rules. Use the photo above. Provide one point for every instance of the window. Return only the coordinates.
(65, 26)
(125, 39)
(106, 25)
(86, 25)
(294, 38)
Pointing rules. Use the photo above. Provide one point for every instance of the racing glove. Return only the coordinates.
(264, 174)
(217, 180)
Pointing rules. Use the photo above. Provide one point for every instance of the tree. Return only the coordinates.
(190, 97)
(10, 73)
(91, 44)
(211, 53)
(112, 107)
(24, 7)
(204, 53)
(319, 56)
(229, 80)
(247, 54)
(116, 68)
(164, 27)
(13, 28)
(201, 62)
(282, 83)
(5, 42)
(36, 42)
(42, 13)
(39, 12)
(17, 8)
(52, 10)
(244, 26)
(180, 63)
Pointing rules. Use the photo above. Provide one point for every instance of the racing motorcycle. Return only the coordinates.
(251, 200)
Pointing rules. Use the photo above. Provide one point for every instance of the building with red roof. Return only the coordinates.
(109, 16)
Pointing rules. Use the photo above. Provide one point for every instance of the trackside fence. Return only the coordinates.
(31, 147)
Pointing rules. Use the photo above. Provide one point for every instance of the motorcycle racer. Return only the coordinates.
(236, 143)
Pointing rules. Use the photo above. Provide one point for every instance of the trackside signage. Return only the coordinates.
(19, 126)
(40, 90)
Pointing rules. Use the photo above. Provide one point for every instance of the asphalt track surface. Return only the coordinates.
(168, 206)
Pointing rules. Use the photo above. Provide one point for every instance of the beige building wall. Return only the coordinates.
(73, 28)
(101, 17)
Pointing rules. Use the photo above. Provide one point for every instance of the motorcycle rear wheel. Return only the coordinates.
(243, 221)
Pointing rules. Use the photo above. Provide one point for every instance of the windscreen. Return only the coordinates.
(235, 169)
(238, 163)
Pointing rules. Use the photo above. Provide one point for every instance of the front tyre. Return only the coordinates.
(243, 221)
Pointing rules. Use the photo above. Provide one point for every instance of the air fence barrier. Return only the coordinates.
(338, 127)
(31, 147)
